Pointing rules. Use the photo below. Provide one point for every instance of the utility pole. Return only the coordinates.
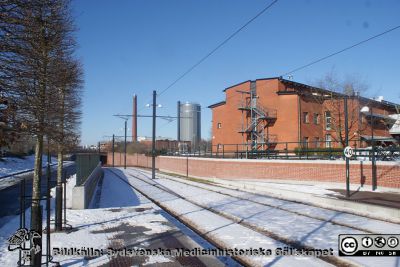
(134, 119)
(346, 129)
(153, 145)
(125, 128)
(373, 159)
(113, 142)
(179, 121)
(125, 145)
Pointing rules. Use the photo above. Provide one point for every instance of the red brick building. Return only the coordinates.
(277, 113)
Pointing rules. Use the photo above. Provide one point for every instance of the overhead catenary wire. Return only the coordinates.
(214, 50)
(287, 73)
(341, 51)
(217, 47)
(334, 53)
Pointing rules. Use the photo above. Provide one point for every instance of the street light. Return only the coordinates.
(153, 145)
(368, 110)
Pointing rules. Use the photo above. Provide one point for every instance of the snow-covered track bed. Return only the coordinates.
(356, 222)
(292, 223)
(221, 231)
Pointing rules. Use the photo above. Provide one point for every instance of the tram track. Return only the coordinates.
(239, 260)
(269, 234)
(320, 218)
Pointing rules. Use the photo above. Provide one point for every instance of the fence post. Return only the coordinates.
(237, 151)
(187, 165)
(307, 150)
(223, 151)
(21, 207)
(287, 156)
(65, 197)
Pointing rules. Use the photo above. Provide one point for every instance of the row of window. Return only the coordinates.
(318, 141)
(306, 119)
(317, 119)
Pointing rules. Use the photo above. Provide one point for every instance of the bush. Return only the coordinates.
(318, 151)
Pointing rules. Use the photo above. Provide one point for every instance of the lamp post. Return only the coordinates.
(368, 110)
(153, 145)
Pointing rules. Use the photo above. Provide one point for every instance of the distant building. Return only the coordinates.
(276, 113)
(189, 123)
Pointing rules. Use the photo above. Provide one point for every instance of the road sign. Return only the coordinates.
(348, 152)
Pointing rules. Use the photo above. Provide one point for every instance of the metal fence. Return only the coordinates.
(85, 164)
(294, 150)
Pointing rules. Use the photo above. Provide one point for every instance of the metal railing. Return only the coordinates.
(85, 164)
(320, 150)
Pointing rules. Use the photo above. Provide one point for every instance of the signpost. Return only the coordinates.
(348, 151)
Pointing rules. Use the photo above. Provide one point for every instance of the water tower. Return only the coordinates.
(189, 123)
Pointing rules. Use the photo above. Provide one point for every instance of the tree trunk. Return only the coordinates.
(59, 189)
(36, 215)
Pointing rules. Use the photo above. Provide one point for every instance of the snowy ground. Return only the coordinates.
(322, 189)
(226, 232)
(309, 225)
(123, 218)
(10, 165)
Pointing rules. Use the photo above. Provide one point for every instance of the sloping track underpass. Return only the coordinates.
(204, 234)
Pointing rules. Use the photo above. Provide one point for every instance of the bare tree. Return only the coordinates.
(37, 45)
(66, 118)
(332, 101)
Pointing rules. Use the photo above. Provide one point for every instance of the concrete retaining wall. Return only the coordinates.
(83, 194)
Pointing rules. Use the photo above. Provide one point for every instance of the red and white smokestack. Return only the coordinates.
(134, 119)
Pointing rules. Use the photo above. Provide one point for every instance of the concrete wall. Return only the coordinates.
(388, 173)
(83, 194)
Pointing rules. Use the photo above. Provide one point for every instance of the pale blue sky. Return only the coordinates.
(136, 46)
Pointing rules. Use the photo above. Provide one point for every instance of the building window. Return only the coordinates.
(328, 120)
(305, 117)
(316, 119)
(219, 125)
(328, 140)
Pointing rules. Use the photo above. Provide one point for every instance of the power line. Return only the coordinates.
(335, 53)
(165, 124)
(218, 47)
(341, 51)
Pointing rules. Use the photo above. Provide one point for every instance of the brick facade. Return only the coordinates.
(293, 102)
(388, 173)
